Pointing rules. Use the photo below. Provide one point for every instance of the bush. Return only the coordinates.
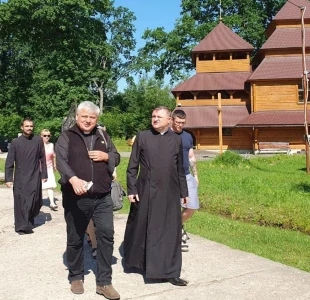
(10, 126)
(54, 126)
(229, 158)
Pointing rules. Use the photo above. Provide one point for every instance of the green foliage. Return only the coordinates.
(54, 126)
(53, 53)
(10, 126)
(114, 121)
(229, 158)
(135, 106)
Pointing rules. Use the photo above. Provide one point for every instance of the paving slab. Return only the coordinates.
(34, 267)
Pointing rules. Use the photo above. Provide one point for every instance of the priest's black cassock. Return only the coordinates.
(28, 155)
(153, 232)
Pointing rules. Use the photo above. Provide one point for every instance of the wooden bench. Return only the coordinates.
(274, 147)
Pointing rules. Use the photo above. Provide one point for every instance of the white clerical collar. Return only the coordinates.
(162, 133)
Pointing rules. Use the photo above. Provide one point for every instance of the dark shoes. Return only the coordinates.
(22, 232)
(77, 287)
(108, 291)
(176, 281)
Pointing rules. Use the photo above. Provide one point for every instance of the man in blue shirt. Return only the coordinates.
(189, 163)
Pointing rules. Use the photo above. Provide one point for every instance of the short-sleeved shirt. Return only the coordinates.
(187, 143)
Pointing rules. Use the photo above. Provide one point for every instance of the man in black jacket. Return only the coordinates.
(86, 158)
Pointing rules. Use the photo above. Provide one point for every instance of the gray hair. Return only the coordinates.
(89, 106)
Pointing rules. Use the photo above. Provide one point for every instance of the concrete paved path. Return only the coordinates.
(34, 267)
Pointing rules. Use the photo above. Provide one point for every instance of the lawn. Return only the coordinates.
(260, 205)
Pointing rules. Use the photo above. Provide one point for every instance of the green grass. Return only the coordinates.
(121, 145)
(260, 205)
(284, 246)
(2, 164)
(2, 167)
(270, 191)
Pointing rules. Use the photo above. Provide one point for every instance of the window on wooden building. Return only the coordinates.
(227, 131)
(204, 95)
(239, 55)
(205, 56)
(301, 93)
(186, 96)
(224, 95)
(222, 56)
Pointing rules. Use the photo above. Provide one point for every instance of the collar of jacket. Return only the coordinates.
(77, 130)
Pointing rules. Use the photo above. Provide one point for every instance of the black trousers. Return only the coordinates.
(77, 215)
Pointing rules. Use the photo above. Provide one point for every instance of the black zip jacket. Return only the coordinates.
(72, 160)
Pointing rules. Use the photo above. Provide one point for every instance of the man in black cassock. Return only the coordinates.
(156, 182)
(28, 154)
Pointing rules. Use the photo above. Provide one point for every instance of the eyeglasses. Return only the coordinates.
(179, 123)
(46, 135)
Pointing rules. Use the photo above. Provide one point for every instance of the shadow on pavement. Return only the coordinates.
(42, 218)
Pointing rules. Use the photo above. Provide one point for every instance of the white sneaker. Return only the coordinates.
(184, 248)
(185, 237)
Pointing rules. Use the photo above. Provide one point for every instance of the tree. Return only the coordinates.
(55, 52)
(132, 109)
(169, 53)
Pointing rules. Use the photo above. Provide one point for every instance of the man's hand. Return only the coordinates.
(97, 155)
(9, 184)
(79, 185)
(185, 201)
(44, 179)
(133, 198)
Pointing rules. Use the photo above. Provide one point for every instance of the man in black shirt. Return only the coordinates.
(86, 158)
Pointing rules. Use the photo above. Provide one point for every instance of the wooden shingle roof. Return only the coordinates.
(207, 116)
(222, 39)
(279, 67)
(274, 119)
(283, 38)
(214, 81)
(291, 10)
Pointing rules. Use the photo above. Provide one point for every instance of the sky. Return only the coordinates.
(151, 14)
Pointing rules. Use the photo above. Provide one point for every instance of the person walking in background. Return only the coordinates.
(156, 182)
(26, 159)
(86, 158)
(189, 162)
(50, 184)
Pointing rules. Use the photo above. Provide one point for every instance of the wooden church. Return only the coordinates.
(261, 101)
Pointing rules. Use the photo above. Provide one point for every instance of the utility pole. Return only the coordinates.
(305, 87)
(219, 109)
